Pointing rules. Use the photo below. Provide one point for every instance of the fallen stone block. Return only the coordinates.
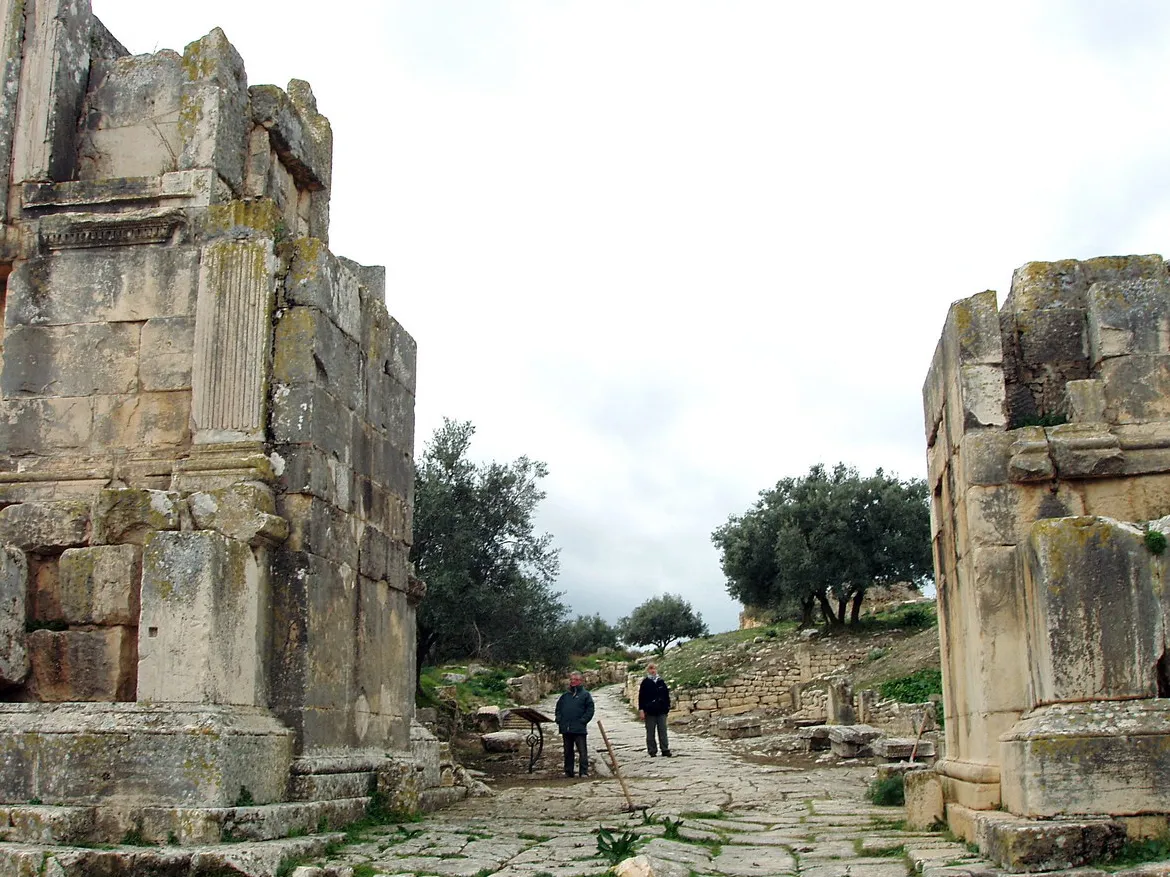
(852, 741)
(816, 737)
(739, 727)
(901, 748)
(502, 741)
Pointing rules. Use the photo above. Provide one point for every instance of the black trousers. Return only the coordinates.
(577, 741)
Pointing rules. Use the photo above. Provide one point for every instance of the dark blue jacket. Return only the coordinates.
(574, 711)
(654, 697)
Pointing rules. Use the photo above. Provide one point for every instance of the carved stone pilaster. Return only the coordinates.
(232, 341)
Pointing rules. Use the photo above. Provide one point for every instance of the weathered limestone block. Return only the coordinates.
(202, 628)
(852, 741)
(1129, 316)
(99, 585)
(320, 528)
(299, 135)
(82, 665)
(245, 512)
(311, 415)
(902, 748)
(129, 515)
(45, 360)
(14, 665)
(313, 690)
(144, 420)
(1096, 619)
(45, 527)
(1085, 450)
(97, 753)
(39, 425)
(213, 118)
(12, 35)
(384, 674)
(424, 748)
(107, 284)
(1029, 458)
(924, 800)
(38, 824)
(739, 727)
(1136, 387)
(502, 741)
(131, 114)
(651, 866)
(1053, 335)
(840, 702)
(1089, 758)
(1085, 401)
(308, 348)
(1027, 845)
(317, 279)
(164, 362)
(52, 86)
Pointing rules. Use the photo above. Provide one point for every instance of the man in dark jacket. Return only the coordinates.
(574, 712)
(653, 705)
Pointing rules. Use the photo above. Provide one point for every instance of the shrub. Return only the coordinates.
(915, 688)
(887, 792)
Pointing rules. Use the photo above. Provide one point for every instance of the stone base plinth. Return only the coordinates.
(185, 826)
(1104, 758)
(969, 784)
(142, 755)
(1018, 844)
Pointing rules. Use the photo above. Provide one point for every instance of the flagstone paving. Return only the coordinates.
(739, 819)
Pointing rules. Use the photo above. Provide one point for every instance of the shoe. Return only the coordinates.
(584, 776)
(666, 753)
(653, 754)
(569, 775)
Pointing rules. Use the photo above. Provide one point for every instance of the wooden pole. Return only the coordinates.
(616, 771)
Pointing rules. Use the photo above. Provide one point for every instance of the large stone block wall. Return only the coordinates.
(206, 427)
(1047, 429)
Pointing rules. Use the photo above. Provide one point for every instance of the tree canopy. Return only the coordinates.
(489, 575)
(825, 539)
(588, 633)
(660, 621)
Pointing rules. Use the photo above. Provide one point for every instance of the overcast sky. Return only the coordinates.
(680, 250)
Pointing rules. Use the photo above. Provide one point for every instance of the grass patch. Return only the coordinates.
(1137, 852)
(365, 869)
(615, 848)
(704, 814)
(916, 616)
(887, 792)
(880, 823)
(539, 838)
(915, 688)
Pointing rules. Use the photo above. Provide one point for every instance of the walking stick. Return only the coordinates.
(616, 772)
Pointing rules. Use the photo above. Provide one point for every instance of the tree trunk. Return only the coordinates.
(827, 610)
(842, 603)
(855, 612)
(807, 604)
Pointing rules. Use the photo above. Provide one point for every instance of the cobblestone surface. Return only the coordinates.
(739, 819)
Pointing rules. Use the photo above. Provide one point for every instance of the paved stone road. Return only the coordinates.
(739, 819)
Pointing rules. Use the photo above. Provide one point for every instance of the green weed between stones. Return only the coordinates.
(615, 848)
(1136, 852)
(670, 828)
(887, 792)
(539, 838)
(1155, 542)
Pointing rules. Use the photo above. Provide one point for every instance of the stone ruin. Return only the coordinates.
(206, 471)
(1048, 426)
